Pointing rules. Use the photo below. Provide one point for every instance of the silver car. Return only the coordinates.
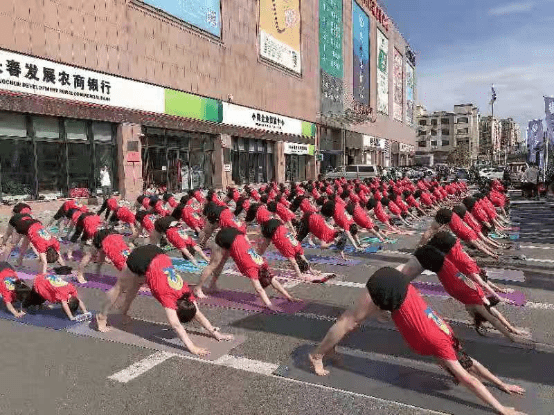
(354, 172)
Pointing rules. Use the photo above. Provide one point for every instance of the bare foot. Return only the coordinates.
(384, 317)
(199, 294)
(126, 319)
(102, 323)
(317, 363)
(80, 278)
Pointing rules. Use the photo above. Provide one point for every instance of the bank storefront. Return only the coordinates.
(60, 124)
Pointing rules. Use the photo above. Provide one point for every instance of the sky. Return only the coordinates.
(464, 46)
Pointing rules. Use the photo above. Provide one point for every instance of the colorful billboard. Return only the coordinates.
(410, 88)
(398, 88)
(360, 42)
(330, 55)
(382, 73)
(204, 14)
(280, 25)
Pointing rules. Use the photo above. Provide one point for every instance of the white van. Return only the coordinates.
(354, 172)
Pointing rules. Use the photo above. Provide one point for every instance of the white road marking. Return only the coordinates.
(141, 367)
(246, 364)
(536, 247)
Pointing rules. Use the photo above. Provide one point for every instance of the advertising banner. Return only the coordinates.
(237, 115)
(398, 89)
(204, 14)
(360, 37)
(382, 73)
(24, 74)
(280, 33)
(410, 87)
(330, 55)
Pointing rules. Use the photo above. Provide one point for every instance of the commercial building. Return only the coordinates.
(452, 137)
(198, 93)
(368, 92)
(202, 93)
(490, 139)
(510, 136)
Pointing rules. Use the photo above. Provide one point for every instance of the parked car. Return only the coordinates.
(354, 172)
(493, 173)
(516, 169)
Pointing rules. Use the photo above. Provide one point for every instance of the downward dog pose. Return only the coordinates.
(61, 215)
(275, 232)
(86, 227)
(169, 228)
(52, 288)
(373, 205)
(144, 220)
(315, 224)
(363, 221)
(283, 212)
(231, 242)
(446, 218)
(8, 283)
(464, 289)
(148, 264)
(186, 213)
(337, 211)
(462, 212)
(422, 329)
(106, 243)
(108, 205)
(124, 215)
(219, 216)
(9, 234)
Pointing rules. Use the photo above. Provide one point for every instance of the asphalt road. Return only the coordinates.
(55, 371)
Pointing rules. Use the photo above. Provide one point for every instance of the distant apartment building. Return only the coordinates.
(490, 139)
(510, 135)
(452, 137)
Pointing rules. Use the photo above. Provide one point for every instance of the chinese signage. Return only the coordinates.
(372, 141)
(330, 55)
(204, 14)
(246, 117)
(280, 32)
(398, 88)
(410, 87)
(360, 36)
(25, 74)
(377, 12)
(406, 148)
(382, 73)
(297, 149)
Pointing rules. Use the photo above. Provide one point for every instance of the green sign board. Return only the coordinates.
(330, 37)
(182, 104)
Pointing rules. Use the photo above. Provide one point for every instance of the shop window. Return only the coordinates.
(13, 125)
(79, 166)
(445, 121)
(75, 130)
(105, 155)
(434, 143)
(51, 167)
(17, 167)
(102, 132)
(445, 132)
(366, 169)
(46, 127)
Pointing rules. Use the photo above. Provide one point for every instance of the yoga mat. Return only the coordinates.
(375, 240)
(288, 274)
(248, 302)
(44, 318)
(186, 266)
(157, 337)
(426, 288)
(406, 380)
(353, 251)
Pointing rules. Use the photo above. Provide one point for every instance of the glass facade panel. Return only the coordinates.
(46, 127)
(102, 132)
(13, 125)
(51, 167)
(17, 167)
(76, 130)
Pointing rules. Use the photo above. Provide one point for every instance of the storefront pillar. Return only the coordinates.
(129, 160)
(279, 155)
(222, 148)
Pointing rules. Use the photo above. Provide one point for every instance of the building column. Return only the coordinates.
(279, 154)
(129, 160)
(221, 178)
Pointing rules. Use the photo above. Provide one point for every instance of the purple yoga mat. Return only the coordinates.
(436, 289)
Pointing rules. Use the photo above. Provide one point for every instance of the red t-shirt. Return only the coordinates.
(247, 260)
(426, 199)
(178, 238)
(125, 215)
(380, 213)
(361, 218)
(148, 222)
(166, 285)
(53, 288)
(227, 219)
(286, 243)
(412, 201)
(284, 213)
(192, 218)
(475, 226)
(91, 224)
(319, 227)
(423, 329)
(306, 206)
(262, 214)
(342, 218)
(8, 278)
(116, 250)
(459, 286)
(461, 260)
(393, 208)
(41, 239)
(461, 229)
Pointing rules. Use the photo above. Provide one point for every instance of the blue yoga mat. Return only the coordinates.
(186, 266)
(46, 318)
